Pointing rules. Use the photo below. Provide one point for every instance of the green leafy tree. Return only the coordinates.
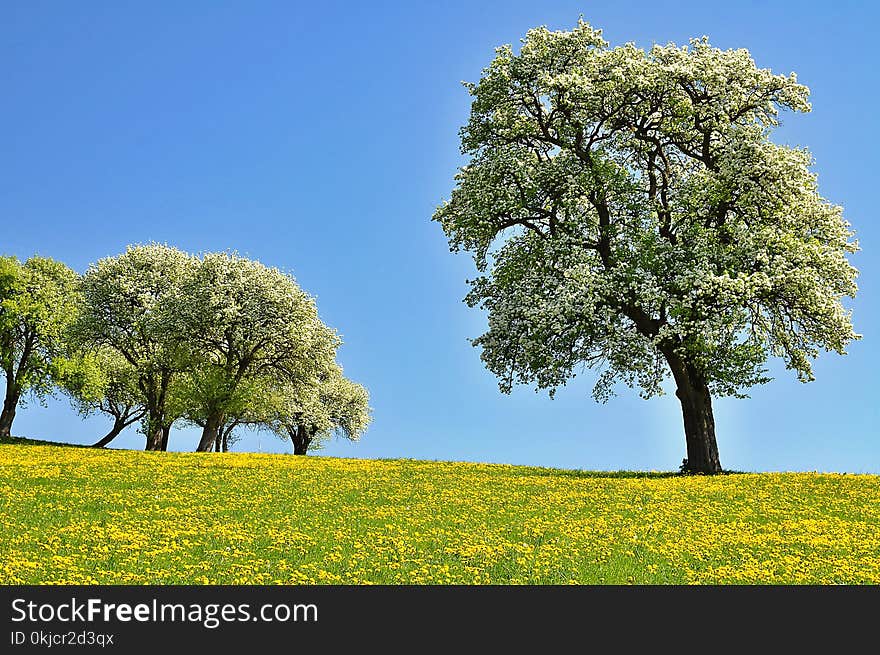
(38, 301)
(106, 383)
(126, 309)
(252, 404)
(312, 413)
(627, 210)
(261, 398)
(243, 321)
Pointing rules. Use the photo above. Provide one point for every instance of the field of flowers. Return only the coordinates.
(77, 515)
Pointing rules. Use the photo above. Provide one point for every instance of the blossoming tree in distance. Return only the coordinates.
(628, 211)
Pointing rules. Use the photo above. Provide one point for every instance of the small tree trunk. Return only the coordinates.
(166, 432)
(210, 433)
(10, 403)
(699, 422)
(217, 444)
(118, 426)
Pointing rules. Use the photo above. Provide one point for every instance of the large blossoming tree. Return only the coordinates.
(246, 326)
(125, 310)
(628, 211)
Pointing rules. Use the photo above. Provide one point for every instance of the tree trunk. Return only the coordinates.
(10, 403)
(699, 422)
(155, 422)
(210, 432)
(217, 443)
(300, 440)
(155, 436)
(118, 426)
(166, 432)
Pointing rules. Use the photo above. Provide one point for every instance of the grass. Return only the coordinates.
(80, 515)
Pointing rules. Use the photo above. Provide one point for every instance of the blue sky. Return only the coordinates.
(319, 137)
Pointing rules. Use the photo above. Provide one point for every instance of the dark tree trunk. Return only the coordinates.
(155, 436)
(118, 426)
(10, 403)
(210, 433)
(155, 391)
(699, 422)
(155, 407)
(300, 439)
(217, 443)
(699, 429)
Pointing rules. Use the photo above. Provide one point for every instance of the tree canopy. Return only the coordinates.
(215, 340)
(241, 321)
(125, 309)
(38, 301)
(311, 413)
(108, 384)
(627, 210)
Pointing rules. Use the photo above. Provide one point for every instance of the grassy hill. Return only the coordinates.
(78, 515)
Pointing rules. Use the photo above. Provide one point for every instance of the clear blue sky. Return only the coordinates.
(319, 137)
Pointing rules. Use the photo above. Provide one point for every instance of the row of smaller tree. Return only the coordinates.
(156, 336)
